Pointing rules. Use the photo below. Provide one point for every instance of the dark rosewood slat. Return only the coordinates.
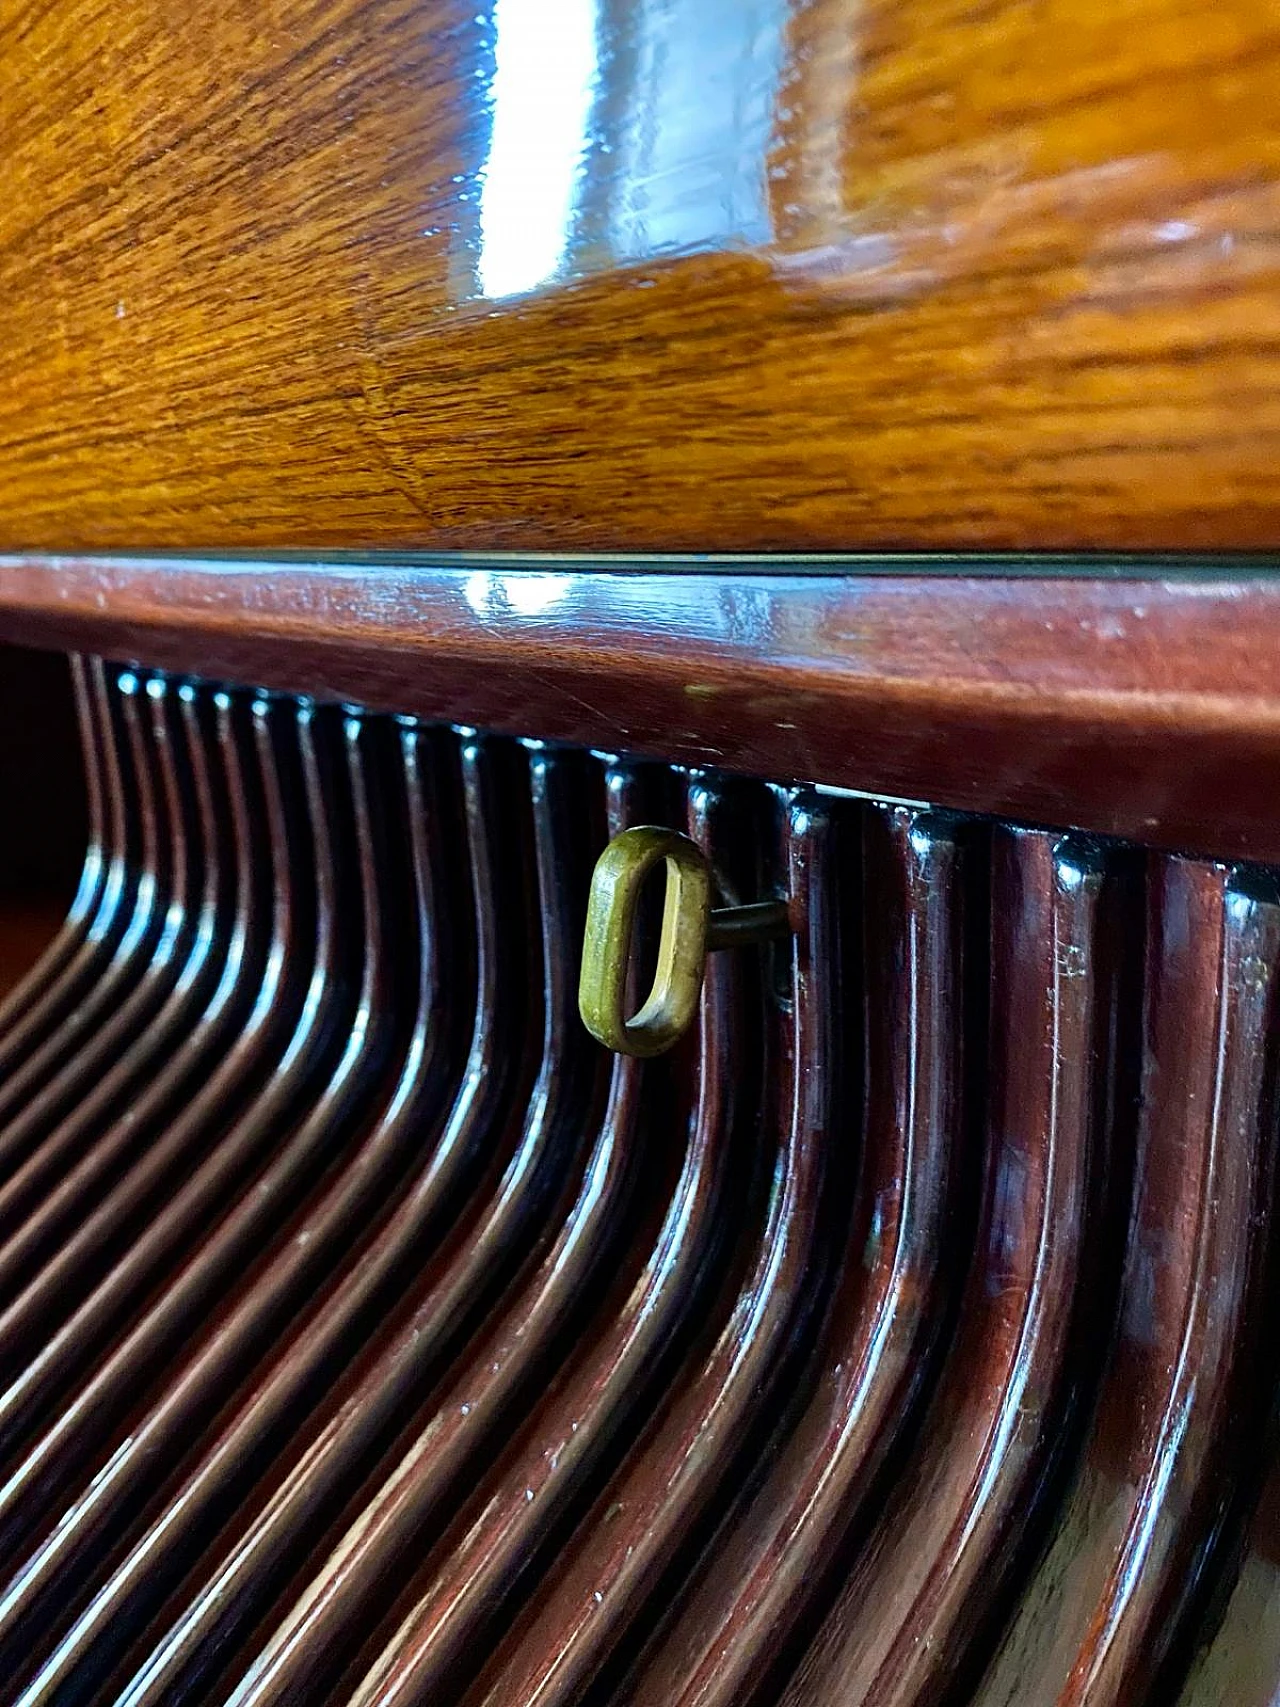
(482, 1117)
(502, 1233)
(169, 944)
(141, 1047)
(89, 1168)
(556, 1109)
(56, 1320)
(125, 1476)
(104, 1046)
(415, 1111)
(56, 1565)
(318, 1241)
(1136, 1537)
(930, 1572)
(602, 1582)
(561, 1445)
(29, 1022)
(761, 1577)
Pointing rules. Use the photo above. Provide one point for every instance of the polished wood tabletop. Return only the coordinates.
(781, 274)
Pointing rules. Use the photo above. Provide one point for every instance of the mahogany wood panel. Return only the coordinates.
(1144, 708)
(787, 274)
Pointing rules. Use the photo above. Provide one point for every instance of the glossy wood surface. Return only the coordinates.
(547, 1459)
(792, 274)
(592, 1596)
(1143, 707)
(926, 1578)
(1135, 1540)
(902, 1337)
(778, 1554)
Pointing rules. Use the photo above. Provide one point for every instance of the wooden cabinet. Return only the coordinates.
(442, 438)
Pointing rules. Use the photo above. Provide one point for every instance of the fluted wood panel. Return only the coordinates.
(367, 1335)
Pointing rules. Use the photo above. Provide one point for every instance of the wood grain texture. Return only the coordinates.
(1148, 709)
(788, 274)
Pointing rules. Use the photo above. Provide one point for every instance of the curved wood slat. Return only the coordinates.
(277, 1394)
(316, 1240)
(402, 1369)
(285, 1032)
(761, 1578)
(104, 1153)
(1134, 1540)
(51, 1571)
(130, 1471)
(935, 1563)
(602, 1582)
(793, 1476)
(149, 1043)
(30, 1025)
(145, 959)
(579, 1428)
(172, 960)
(37, 987)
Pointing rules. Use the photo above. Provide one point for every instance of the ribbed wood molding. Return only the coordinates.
(369, 1335)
